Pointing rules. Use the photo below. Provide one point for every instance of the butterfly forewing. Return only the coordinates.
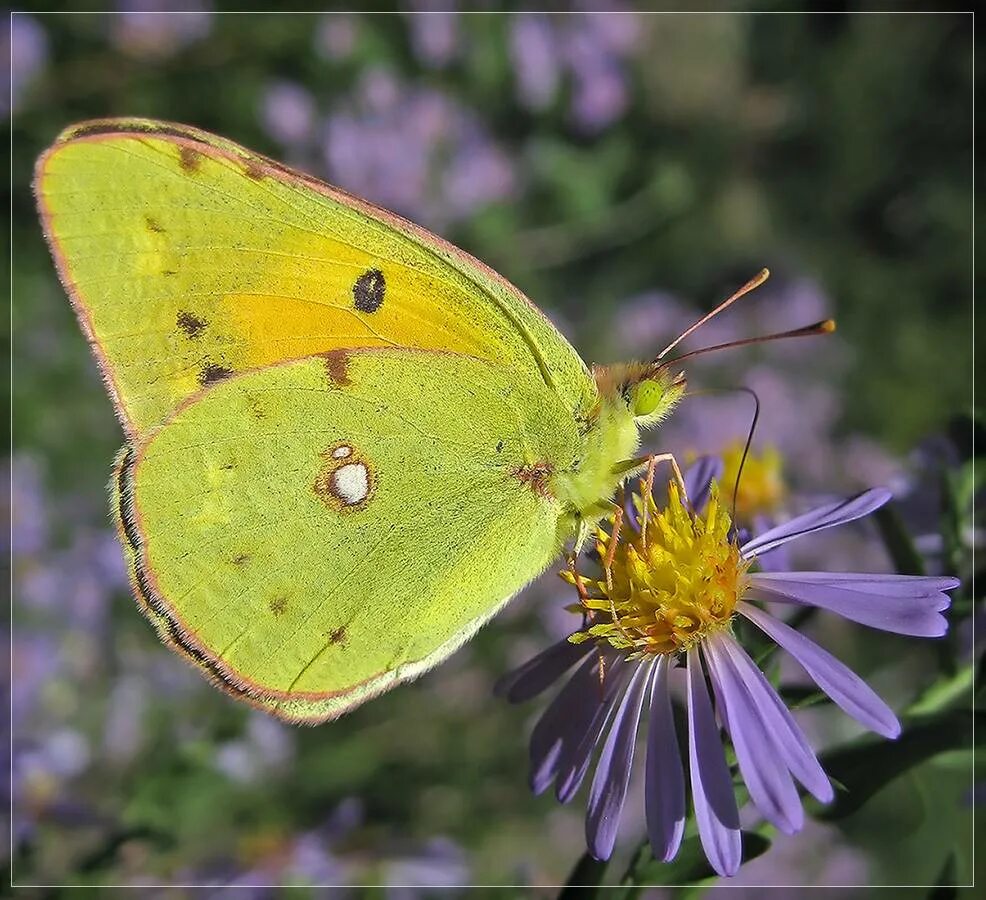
(190, 259)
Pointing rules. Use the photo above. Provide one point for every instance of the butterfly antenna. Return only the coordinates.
(748, 444)
(751, 285)
(826, 326)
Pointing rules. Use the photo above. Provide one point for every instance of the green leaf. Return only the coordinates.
(906, 559)
(863, 767)
(585, 880)
(945, 691)
(802, 696)
(690, 865)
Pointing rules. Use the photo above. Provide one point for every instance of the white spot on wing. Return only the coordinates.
(341, 452)
(351, 483)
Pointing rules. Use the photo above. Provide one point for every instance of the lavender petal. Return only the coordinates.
(630, 511)
(562, 723)
(540, 672)
(771, 787)
(609, 785)
(827, 516)
(874, 583)
(712, 789)
(844, 686)
(576, 754)
(664, 789)
(698, 479)
(789, 739)
(897, 610)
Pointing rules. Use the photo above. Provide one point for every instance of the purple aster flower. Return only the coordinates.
(675, 581)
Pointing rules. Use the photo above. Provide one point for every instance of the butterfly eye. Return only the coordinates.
(646, 398)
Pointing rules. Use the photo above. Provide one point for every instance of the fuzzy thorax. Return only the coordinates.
(632, 396)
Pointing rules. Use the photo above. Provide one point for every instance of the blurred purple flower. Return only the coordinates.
(441, 863)
(313, 862)
(623, 665)
(600, 97)
(77, 583)
(796, 419)
(335, 37)
(35, 663)
(39, 771)
(26, 507)
(596, 48)
(536, 64)
(477, 174)
(648, 322)
(26, 49)
(267, 745)
(592, 49)
(123, 734)
(435, 36)
(154, 28)
(416, 151)
(287, 113)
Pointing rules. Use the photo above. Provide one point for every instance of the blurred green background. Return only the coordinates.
(626, 171)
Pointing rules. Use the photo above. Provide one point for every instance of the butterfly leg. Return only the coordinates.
(614, 540)
(588, 614)
(647, 486)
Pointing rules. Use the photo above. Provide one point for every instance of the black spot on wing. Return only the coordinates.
(192, 325)
(153, 225)
(211, 373)
(368, 291)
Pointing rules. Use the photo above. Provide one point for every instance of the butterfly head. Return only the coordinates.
(647, 393)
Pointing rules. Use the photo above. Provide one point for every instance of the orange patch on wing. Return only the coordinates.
(536, 477)
(337, 367)
(189, 159)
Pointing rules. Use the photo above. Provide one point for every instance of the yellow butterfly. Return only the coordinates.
(348, 443)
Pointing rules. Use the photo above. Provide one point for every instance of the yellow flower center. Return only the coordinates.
(668, 587)
(761, 488)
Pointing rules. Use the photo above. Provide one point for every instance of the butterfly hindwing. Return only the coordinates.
(315, 531)
(190, 259)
